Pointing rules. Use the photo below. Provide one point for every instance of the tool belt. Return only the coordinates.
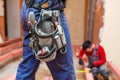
(46, 35)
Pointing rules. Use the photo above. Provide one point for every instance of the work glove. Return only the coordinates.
(81, 62)
(90, 65)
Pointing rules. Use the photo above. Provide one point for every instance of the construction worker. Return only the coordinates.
(96, 57)
(61, 67)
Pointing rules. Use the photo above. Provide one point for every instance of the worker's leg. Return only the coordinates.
(95, 71)
(28, 66)
(104, 72)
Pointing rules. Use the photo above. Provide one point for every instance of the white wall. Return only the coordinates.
(111, 33)
(13, 18)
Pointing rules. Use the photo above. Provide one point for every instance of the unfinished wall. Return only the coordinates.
(75, 13)
(2, 29)
(111, 35)
(98, 20)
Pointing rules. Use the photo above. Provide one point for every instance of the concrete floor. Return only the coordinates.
(43, 71)
(9, 68)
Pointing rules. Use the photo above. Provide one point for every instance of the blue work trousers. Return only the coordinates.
(61, 67)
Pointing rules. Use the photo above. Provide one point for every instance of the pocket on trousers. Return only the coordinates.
(61, 60)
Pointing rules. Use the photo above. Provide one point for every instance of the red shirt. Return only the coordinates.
(100, 52)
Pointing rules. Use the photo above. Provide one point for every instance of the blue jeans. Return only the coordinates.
(61, 67)
(102, 70)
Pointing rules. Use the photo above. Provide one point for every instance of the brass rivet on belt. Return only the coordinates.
(45, 5)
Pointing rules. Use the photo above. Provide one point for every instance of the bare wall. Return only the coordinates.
(111, 34)
(13, 18)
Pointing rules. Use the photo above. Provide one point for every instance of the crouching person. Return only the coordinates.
(97, 59)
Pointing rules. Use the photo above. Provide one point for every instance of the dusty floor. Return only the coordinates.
(11, 68)
(43, 71)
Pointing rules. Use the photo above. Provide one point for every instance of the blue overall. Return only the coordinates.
(61, 67)
(102, 69)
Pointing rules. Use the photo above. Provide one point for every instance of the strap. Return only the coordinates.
(95, 50)
(29, 3)
(36, 6)
(32, 4)
(26, 37)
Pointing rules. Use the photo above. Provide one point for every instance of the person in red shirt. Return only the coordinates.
(96, 57)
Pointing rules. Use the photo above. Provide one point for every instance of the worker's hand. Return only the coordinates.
(90, 65)
(81, 62)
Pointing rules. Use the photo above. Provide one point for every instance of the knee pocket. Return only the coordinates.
(61, 60)
(95, 71)
(104, 73)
